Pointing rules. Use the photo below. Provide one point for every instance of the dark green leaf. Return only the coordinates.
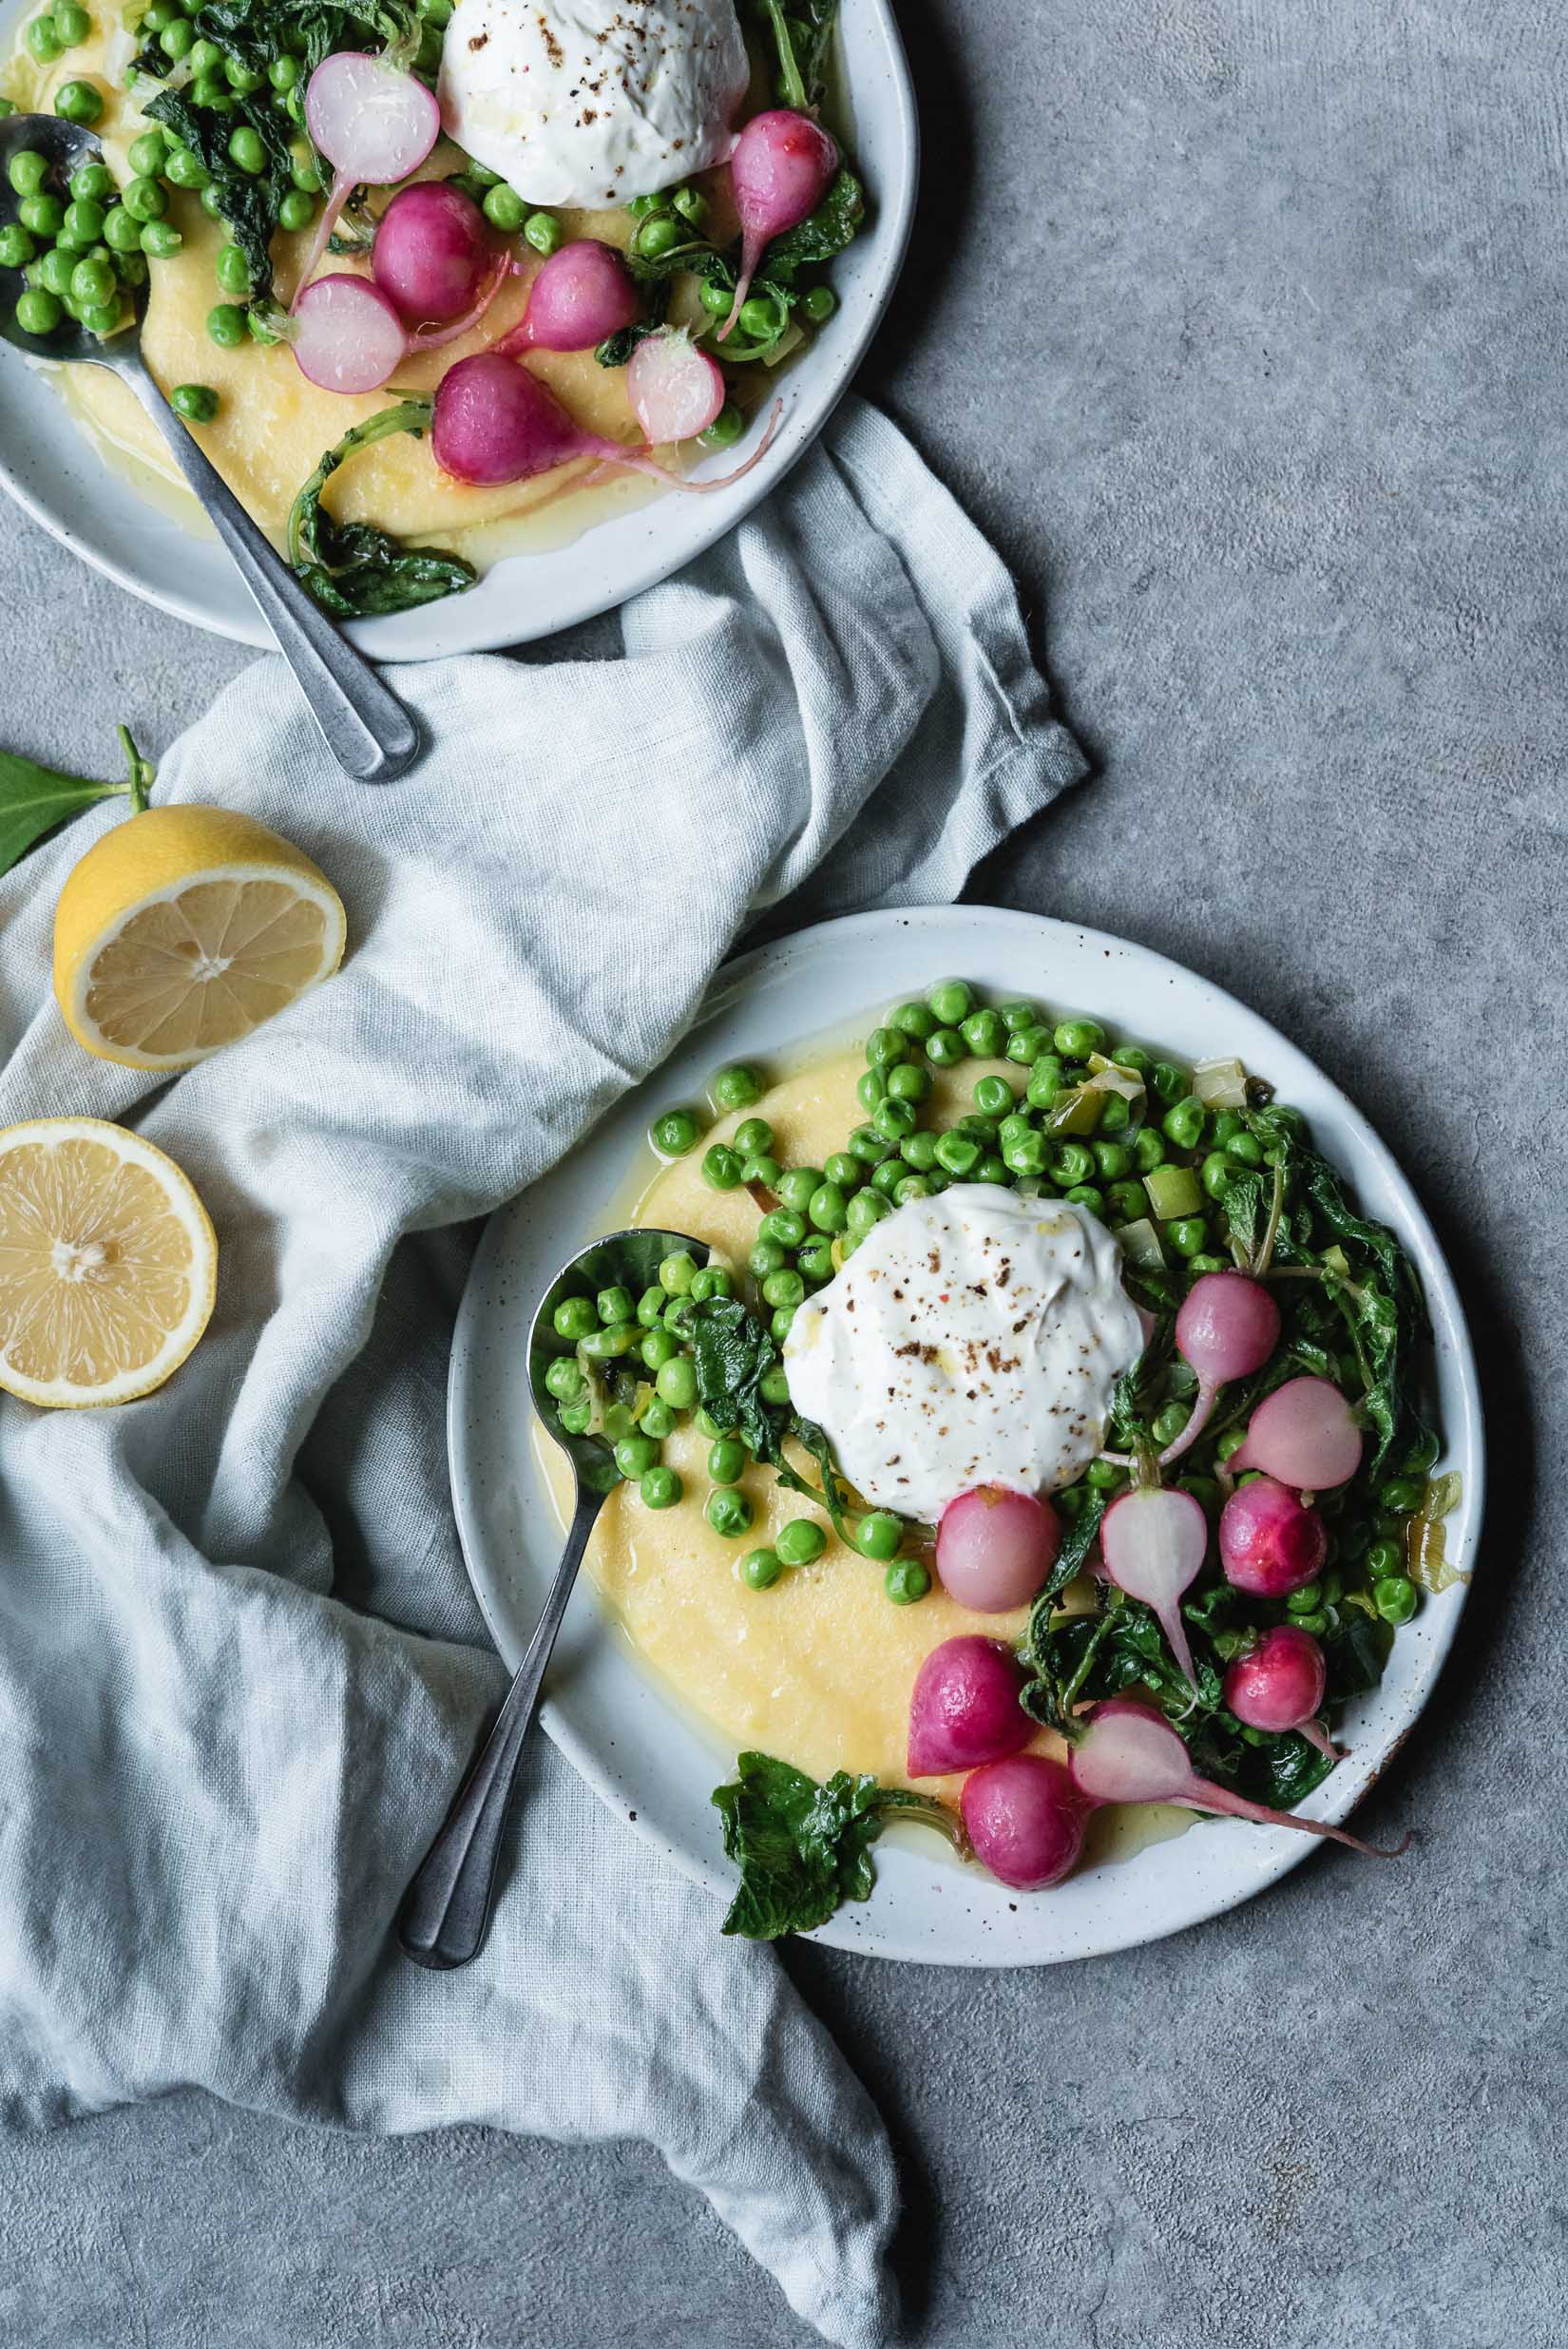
(803, 1849)
(1244, 1211)
(247, 203)
(732, 1351)
(822, 235)
(353, 569)
(34, 799)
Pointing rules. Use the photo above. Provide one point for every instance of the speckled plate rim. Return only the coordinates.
(647, 1758)
(51, 471)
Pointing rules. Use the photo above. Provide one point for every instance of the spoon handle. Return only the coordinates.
(365, 728)
(446, 1911)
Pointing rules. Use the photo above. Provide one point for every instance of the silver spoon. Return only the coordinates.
(446, 1911)
(367, 729)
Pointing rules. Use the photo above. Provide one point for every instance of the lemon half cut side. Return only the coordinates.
(108, 1262)
(184, 928)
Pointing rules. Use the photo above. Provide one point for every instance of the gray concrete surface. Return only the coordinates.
(1241, 326)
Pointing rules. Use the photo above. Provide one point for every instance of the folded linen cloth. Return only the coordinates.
(242, 1671)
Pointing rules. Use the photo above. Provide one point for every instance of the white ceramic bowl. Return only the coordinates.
(652, 1761)
(52, 469)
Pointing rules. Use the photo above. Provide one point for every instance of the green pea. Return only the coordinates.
(38, 313)
(713, 1281)
(720, 1167)
(916, 1021)
(871, 1089)
(1102, 1473)
(760, 1569)
(894, 1121)
(71, 23)
(1317, 1623)
(78, 102)
(879, 1535)
(760, 319)
(1026, 1157)
(1169, 1422)
(655, 1419)
(83, 226)
(906, 1581)
(1385, 1559)
(658, 1346)
(952, 1002)
(957, 1154)
(1245, 1148)
(994, 1096)
(1116, 1115)
(659, 234)
(726, 1461)
(753, 1138)
(226, 325)
(161, 240)
(1395, 1599)
(206, 57)
(1204, 1262)
(102, 318)
(296, 211)
(1126, 1203)
(1167, 1081)
(284, 73)
(159, 13)
(564, 1379)
(738, 1086)
(675, 1383)
(1070, 1502)
(800, 1542)
(504, 209)
(726, 426)
(886, 1177)
(1183, 1124)
(615, 1305)
(26, 171)
(212, 202)
(609, 1344)
(1187, 1235)
(1044, 1082)
(918, 1150)
(864, 1209)
(573, 1318)
(43, 44)
(55, 270)
(121, 233)
(17, 247)
(7, 107)
(660, 1487)
(232, 269)
(829, 1211)
(1148, 1150)
(210, 91)
(674, 1133)
(885, 1047)
(1077, 1039)
(728, 1512)
(773, 1385)
(1086, 1196)
(1074, 1163)
(544, 232)
(92, 283)
(796, 1185)
(92, 183)
(246, 151)
(650, 1307)
(945, 1047)
(676, 1272)
(784, 1287)
(1113, 1161)
(148, 199)
(986, 1035)
(1402, 1496)
(635, 1455)
(1304, 1600)
(909, 1083)
(1027, 1045)
(764, 1171)
(576, 1417)
(1217, 1173)
(784, 1225)
(1232, 1440)
(815, 1262)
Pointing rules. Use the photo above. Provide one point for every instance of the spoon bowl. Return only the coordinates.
(365, 727)
(446, 1912)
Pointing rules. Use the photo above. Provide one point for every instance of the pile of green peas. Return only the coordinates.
(47, 37)
(80, 248)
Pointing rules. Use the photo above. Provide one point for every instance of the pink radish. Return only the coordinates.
(496, 422)
(1154, 1542)
(1025, 1819)
(580, 296)
(1305, 1434)
(373, 124)
(347, 336)
(1269, 1543)
(676, 391)
(1280, 1686)
(995, 1548)
(963, 1707)
(432, 254)
(1128, 1754)
(780, 169)
(1226, 1328)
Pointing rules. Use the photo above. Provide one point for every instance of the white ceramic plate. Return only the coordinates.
(52, 470)
(654, 1762)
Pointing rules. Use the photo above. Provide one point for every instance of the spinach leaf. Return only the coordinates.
(247, 203)
(353, 569)
(34, 799)
(732, 1352)
(252, 31)
(617, 348)
(1244, 1211)
(822, 235)
(803, 39)
(802, 1848)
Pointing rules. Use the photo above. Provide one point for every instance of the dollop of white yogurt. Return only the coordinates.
(587, 103)
(972, 1339)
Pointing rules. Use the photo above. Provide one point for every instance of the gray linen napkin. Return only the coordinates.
(241, 1668)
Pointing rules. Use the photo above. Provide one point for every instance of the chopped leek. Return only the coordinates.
(1174, 1191)
(1220, 1085)
(1140, 1243)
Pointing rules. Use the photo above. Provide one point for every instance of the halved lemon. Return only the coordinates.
(108, 1262)
(184, 928)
